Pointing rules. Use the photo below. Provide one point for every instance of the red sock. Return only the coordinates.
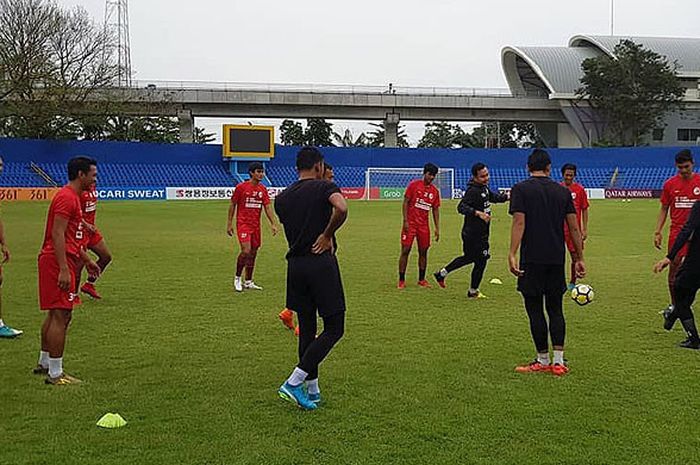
(240, 264)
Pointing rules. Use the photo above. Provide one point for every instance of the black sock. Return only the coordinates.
(402, 276)
(421, 275)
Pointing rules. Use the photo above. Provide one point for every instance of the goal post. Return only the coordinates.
(391, 183)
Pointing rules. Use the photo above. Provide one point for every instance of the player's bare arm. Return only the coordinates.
(436, 221)
(324, 242)
(406, 202)
(576, 236)
(584, 224)
(516, 237)
(3, 246)
(59, 241)
(92, 267)
(658, 235)
(229, 223)
(90, 227)
(271, 218)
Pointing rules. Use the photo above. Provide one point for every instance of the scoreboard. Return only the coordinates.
(243, 141)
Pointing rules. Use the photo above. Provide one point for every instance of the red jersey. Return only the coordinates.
(679, 195)
(88, 204)
(580, 199)
(249, 200)
(421, 199)
(65, 204)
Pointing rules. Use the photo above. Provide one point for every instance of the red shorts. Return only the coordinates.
(51, 297)
(570, 243)
(422, 235)
(94, 238)
(249, 234)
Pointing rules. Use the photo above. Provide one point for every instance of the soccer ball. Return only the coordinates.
(582, 294)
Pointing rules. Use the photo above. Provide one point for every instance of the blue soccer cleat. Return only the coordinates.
(296, 395)
(315, 398)
(9, 333)
(570, 286)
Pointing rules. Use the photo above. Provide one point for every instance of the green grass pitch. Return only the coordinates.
(422, 376)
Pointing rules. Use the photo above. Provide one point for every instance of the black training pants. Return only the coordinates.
(543, 286)
(312, 349)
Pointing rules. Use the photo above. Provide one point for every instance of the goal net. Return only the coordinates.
(391, 183)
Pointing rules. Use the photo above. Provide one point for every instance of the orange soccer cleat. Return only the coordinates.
(559, 370)
(424, 283)
(287, 317)
(89, 289)
(533, 367)
(402, 285)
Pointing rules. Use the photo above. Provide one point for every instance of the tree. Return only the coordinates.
(201, 136)
(319, 132)
(632, 92)
(292, 133)
(376, 137)
(442, 135)
(348, 140)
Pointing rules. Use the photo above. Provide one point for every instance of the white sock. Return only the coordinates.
(443, 272)
(44, 359)
(55, 367)
(543, 358)
(297, 377)
(473, 291)
(238, 278)
(249, 281)
(2, 323)
(559, 357)
(312, 386)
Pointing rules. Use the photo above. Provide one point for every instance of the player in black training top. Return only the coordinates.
(540, 207)
(687, 280)
(476, 208)
(311, 211)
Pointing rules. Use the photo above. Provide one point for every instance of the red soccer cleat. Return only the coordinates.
(559, 370)
(89, 289)
(402, 285)
(287, 317)
(424, 283)
(440, 280)
(534, 367)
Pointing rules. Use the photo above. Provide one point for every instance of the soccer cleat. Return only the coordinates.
(315, 398)
(62, 380)
(9, 333)
(570, 287)
(669, 317)
(533, 367)
(89, 289)
(238, 284)
(476, 295)
(440, 279)
(690, 344)
(287, 317)
(424, 283)
(559, 370)
(296, 395)
(40, 370)
(402, 285)
(252, 285)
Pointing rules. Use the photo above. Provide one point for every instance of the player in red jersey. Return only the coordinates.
(287, 315)
(93, 239)
(580, 198)
(421, 197)
(677, 197)
(60, 260)
(249, 198)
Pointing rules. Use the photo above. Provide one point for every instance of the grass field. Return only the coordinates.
(422, 376)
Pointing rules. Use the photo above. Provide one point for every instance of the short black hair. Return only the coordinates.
(568, 166)
(307, 157)
(78, 164)
(476, 167)
(254, 166)
(538, 160)
(430, 168)
(684, 156)
(327, 166)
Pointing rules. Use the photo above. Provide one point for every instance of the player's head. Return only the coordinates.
(328, 174)
(429, 172)
(568, 173)
(539, 161)
(480, 173)
(83, 170)
(310, 160)
(256, 170)
(685, 163)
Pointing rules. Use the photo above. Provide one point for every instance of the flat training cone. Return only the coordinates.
(495, 281)
(111, 420)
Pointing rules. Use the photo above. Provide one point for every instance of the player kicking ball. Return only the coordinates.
(94, 240)
(248, 200)
(421, 197)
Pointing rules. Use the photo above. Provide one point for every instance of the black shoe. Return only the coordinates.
(440, 279)
(690, 344)
(669, 317)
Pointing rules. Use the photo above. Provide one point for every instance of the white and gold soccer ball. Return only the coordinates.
(582, 294)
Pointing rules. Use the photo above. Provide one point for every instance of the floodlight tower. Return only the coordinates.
(117, 24)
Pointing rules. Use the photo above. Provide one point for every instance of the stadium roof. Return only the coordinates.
(556, 71)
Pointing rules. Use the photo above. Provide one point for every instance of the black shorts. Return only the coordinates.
(314, 284)
(475, 248)
(539, 279)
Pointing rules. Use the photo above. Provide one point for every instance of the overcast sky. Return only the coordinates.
(445, 43)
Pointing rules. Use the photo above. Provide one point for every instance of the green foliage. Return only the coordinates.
(318, 132)
(347, 139)
(632, 93)
(292, 133)
(376, 137)
(442, 135)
